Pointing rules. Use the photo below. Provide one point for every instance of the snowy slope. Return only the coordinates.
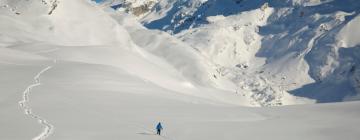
(308, 48)
(310, 33)
(92, 101)
(192, 65)
(70, 70)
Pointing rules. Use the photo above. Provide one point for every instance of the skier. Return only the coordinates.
(159, 128)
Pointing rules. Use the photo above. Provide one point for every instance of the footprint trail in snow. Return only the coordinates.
(48, 128)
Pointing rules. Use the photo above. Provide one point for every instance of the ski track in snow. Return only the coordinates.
(48, 128)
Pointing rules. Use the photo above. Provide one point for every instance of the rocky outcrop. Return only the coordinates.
(142, 9)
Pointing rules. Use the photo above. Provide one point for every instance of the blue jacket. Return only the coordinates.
(159, 127)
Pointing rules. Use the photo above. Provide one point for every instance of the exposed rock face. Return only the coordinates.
(135, 7)
(142, 9)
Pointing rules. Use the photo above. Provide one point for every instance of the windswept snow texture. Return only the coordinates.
(91, 73)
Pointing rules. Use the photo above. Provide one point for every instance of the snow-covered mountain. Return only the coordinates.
(266, 51)
(268, 48)
(78, 69)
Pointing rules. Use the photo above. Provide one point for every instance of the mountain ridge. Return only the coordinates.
(302, 35)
